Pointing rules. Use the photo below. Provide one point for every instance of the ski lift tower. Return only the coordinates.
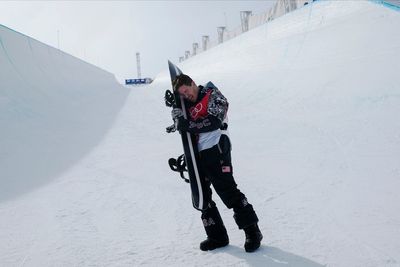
(205, 39)
(138, 66)
(244, 16)
(138, 80)
(187, 54)
(195, 47)
(221, 31)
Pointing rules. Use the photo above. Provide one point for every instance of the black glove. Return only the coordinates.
(182, 124)
(169, 98)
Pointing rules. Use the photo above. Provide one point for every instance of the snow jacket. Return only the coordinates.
(208, 116)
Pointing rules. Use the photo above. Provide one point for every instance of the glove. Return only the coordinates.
(182, 124)
(176, 113)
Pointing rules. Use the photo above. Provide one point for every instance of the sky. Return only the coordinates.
(110, 33)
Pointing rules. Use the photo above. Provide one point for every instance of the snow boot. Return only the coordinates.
(215, 229)
(211, 244)
(253, 238)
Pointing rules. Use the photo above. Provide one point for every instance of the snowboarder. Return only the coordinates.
(207, 109)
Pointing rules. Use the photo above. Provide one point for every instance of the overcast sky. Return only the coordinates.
(109, 33)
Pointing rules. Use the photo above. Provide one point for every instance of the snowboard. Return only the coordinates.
(190, 150)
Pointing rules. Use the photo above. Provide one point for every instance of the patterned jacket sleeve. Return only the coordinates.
(217, 105)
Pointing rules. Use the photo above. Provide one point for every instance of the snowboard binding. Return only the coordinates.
(179, 165)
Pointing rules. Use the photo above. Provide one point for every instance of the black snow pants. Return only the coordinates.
(216, 168)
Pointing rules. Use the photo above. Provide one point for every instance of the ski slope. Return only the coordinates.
(314, 102)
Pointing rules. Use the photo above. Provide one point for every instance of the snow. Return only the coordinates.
(314, 99)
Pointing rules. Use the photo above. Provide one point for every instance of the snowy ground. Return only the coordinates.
(314, 99)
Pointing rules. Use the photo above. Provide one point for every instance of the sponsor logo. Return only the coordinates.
(199, 125)
(194, 112)
(200, 109)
